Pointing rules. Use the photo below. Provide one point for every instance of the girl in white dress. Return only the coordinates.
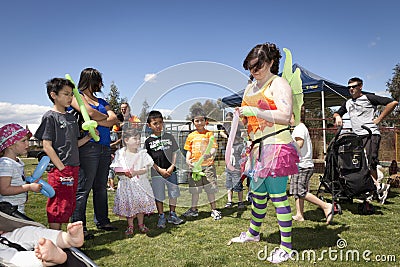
(134, 197)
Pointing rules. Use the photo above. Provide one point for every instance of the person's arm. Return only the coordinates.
(139, 172)
(299, 141)
(188, 159)
(213, 149)
(163, 172)
(386, 111)
(85, 139)
(93, 113)
(338, 119)
(339, 114)
(6, 189)
(115, 144)
(111, 119)
(147, 163)
(49, 150)
(171, 168)
(223, 134)
(212, 153)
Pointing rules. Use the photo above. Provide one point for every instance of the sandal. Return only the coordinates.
(228, 205)
(129, 230)
(329, 216)
(143, 229)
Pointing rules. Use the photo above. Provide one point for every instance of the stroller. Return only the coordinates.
(346, 174)
(11, 218)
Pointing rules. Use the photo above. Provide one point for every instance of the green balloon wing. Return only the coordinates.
(295, 83)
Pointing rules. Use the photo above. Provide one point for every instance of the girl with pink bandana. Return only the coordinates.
(13, 188)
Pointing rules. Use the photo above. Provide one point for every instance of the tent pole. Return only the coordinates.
(323, 119)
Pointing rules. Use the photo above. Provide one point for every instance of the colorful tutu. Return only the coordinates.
(276, 160)
(134, 196)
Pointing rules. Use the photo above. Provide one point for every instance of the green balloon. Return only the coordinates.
(88, 125)
(197, 171)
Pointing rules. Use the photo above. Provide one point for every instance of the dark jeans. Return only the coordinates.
(95, 160)
(372, 150)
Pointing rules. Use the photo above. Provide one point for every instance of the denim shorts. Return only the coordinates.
(158, 184)
(233, 181)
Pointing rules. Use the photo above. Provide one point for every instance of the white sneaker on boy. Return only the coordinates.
(216, 214)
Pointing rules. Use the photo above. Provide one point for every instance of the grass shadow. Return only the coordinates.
(230, 212)
(96, 254)
(318, 237)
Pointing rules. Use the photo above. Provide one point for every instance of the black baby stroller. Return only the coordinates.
(11, 218)
(347, 174)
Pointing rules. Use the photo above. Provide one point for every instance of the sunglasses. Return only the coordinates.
(353, 86)
(256, 66)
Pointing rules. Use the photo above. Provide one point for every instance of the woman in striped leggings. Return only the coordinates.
(267, 111)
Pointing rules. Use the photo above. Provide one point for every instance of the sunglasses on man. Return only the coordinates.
(353, 86)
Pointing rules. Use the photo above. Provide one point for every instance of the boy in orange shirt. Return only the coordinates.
(195, 145)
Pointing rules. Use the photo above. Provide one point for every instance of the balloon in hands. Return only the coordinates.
(88, 125)
(229, 145)
(196, 171)
(46, 190)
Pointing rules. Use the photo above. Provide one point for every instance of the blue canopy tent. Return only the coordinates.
(318, 92)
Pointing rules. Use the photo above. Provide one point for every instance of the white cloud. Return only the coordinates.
(150, 77)
(383, 93)
(22, 114)
(374, 42)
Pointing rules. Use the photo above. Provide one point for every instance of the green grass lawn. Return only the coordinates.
(204, 242)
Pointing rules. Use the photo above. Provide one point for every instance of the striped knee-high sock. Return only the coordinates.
(284, 216)
(258, 212)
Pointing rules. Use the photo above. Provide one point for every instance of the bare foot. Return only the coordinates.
(328, 213)
(298, 218)
(74, 236)
(49, 253)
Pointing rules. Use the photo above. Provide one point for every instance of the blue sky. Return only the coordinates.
(127, 40)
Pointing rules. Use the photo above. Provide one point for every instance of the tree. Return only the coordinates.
(113, 98)
(144, 112)
(314, 117)
(393, 85)
(210, 108)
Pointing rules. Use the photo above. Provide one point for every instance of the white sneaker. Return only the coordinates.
(216, 214)
(278, 256)
(244, 238)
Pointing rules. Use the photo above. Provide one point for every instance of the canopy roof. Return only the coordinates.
(334, 94)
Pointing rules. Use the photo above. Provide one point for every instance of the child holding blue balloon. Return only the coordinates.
(59, 131)
(13, 188)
